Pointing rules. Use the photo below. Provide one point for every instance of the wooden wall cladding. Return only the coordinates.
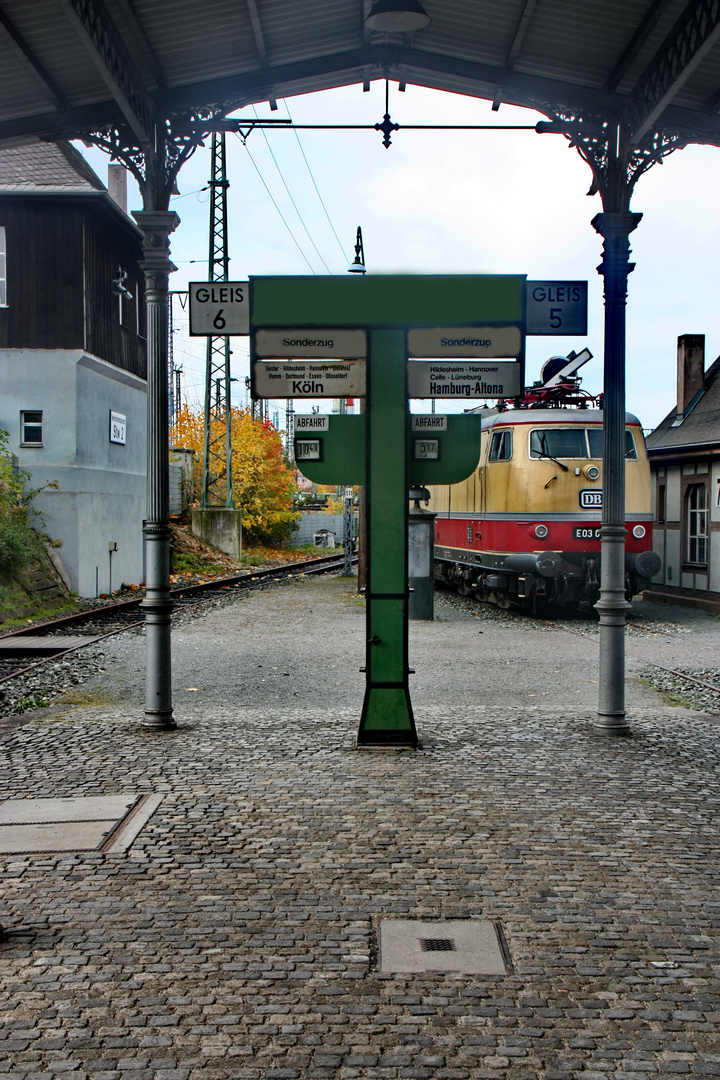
(62, 257)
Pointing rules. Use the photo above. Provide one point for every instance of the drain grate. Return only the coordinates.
(470, 946)
(437, 944)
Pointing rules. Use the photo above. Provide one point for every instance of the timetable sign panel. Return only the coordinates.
(308, 450)
(480, 341)
(219, 308)
(311, 344)
(308, 379)
(426, 450)
(433, 379)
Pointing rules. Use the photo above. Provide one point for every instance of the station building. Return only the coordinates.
(73, 357)
(684, 453)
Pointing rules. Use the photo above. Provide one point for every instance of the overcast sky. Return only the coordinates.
(455, 202)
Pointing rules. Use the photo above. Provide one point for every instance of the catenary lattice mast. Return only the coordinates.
(217, 450)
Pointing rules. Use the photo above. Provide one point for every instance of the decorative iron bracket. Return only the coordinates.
(616, 161)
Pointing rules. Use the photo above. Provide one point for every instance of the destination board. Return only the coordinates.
(308, 379)
(460, 341)
(431, 379)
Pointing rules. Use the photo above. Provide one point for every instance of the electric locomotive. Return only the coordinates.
(524, 529)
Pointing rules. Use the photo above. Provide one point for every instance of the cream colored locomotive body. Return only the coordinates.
(524, 527)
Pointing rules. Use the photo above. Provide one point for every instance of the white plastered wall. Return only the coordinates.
(101, 485)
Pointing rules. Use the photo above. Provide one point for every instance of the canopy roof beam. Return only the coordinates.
(141, 40)
(21, 48)
(520, 32)
(112, 59)
(693, 35)
(358, 65)
(257, 31)
(633, 47)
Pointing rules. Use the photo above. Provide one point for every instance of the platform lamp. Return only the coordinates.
(357, 266)
(397, 16)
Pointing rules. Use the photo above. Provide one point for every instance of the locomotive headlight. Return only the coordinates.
(638, 531)
(592, 472)
(540, 531)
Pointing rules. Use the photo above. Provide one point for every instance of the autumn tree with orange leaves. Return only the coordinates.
(263, 485)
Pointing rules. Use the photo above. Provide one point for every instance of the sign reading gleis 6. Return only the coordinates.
(219, 308)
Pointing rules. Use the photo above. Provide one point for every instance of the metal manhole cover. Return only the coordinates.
(469, 946)
(106, 823)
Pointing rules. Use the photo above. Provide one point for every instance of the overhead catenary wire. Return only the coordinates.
(290, 196)
(274, 202)
(322, 203)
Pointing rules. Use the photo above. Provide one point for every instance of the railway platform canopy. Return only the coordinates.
(625, 82)
(69, 67)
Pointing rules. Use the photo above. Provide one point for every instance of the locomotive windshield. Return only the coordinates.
(574, 442)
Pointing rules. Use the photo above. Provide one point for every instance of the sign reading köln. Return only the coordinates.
(309, 379)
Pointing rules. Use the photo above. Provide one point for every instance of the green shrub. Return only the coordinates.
(18, 540)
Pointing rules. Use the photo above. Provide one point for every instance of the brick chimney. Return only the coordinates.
(117, 185)
(690, 369)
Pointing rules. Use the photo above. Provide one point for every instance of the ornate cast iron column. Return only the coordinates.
(615, 228)
(156, 227)
(155, 164)
(616, 162)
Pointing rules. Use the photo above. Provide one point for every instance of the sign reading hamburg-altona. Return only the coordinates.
(433, 379)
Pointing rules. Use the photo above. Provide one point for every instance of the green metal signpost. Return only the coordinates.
(305, 321)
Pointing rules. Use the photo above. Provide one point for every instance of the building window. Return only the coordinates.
(661, 503)
(697, 523)
(31, 433)
(3, 268)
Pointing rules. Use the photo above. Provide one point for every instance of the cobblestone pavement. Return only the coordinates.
(236, 939)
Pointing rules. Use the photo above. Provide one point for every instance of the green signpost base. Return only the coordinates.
(387, 713)
(387, 718)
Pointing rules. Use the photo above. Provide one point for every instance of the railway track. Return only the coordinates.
(697, 687)
(29, 648)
